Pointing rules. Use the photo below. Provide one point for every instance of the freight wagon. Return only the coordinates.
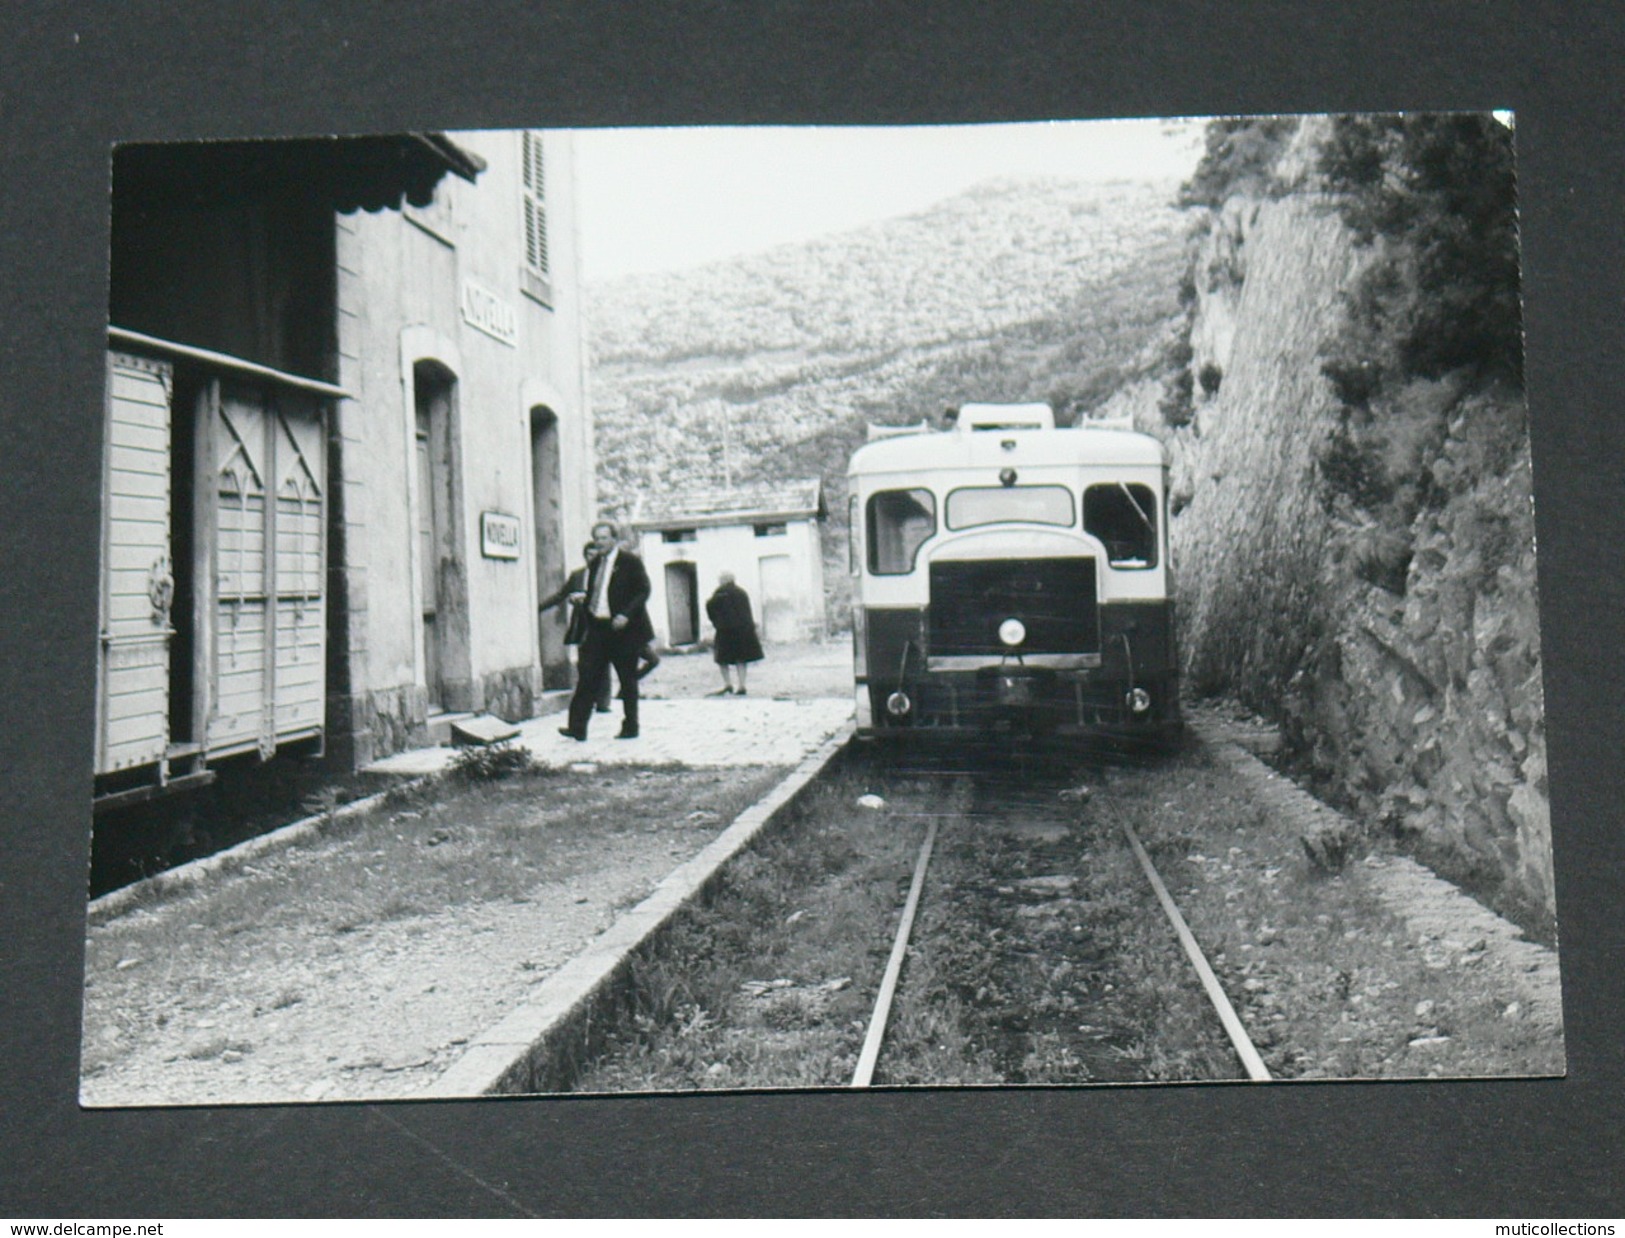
(213, 565)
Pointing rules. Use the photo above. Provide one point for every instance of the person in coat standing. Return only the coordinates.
(617, 630)
(574, 591)
(737, 645)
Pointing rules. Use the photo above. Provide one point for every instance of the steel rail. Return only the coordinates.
(1256, 1069)
(894, 966)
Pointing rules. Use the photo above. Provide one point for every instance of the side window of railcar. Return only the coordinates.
(1124, 517)
(899, 523)
(976, 505)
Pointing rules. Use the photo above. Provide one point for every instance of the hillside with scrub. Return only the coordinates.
(770, 367)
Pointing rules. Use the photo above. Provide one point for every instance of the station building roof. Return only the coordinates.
(752, 503)
(365, 172)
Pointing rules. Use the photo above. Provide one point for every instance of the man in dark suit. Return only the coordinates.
(574, 592)
(618, 629)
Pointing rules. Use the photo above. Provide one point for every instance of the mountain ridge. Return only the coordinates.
(770, 366)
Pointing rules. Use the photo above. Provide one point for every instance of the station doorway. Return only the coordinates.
(444, 607)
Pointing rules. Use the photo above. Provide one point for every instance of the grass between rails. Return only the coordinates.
(1047, 945)
(1033, 961)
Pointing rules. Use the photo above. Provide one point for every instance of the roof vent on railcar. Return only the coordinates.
(971, 417)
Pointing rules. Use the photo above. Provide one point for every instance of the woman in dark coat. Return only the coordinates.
(737, 645)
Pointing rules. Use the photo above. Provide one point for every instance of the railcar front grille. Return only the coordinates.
(1053, 598)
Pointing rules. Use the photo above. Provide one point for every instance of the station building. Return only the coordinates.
(347, 441)
(768, 535)
(468, 469)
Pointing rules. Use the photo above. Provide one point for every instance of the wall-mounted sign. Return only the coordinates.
(485, 311)
(499, 535)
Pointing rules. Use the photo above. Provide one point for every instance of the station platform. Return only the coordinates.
(358, 954)
(704, 732)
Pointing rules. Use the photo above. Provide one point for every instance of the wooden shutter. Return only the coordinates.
(535, 203)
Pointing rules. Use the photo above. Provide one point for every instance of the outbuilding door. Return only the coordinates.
(778, 600)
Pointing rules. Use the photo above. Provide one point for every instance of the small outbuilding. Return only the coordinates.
(768, 535)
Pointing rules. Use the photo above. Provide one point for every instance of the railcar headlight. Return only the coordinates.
(898, 704)
(1138, 700)
(1012, 632)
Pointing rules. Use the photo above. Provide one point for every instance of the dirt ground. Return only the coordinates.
(1378, 970)
(356, 964)
(359, 964)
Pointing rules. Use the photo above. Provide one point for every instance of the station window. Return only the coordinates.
(899, 523)
(1124, 518)
(677, 535)
(977, 505)
(772, 530)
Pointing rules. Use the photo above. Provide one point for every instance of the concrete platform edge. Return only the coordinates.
(165, 885)
(522, 1052)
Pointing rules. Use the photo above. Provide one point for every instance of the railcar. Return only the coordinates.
(1012, 577)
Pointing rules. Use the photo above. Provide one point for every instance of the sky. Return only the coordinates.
(666, 199)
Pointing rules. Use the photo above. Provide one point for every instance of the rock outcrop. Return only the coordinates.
(1402, 660)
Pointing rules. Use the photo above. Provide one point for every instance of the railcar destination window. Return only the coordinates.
(899, 523)
(1124, 517)
(978, 505)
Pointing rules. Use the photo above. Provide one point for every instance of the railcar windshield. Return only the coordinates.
(1124, 518)
(978, 505)
(899, 523)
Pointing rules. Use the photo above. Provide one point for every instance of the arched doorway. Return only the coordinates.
(442, 573)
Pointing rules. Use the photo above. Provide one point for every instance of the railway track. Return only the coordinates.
(1034, 943)
(992, 798)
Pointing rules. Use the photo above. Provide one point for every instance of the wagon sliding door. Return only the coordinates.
(132, 681)
(262, 478)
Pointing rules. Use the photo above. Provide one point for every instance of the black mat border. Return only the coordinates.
(75, 77)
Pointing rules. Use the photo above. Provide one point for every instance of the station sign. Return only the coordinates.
(485, 311)
(499, 535)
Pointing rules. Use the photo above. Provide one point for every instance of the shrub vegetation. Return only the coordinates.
(1436, 310)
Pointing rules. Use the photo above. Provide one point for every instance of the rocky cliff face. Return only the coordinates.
(1403, 661)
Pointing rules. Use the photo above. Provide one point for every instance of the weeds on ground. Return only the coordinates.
(492, 762)
(1328, 982)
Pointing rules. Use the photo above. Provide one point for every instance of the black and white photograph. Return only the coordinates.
(741, 608)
